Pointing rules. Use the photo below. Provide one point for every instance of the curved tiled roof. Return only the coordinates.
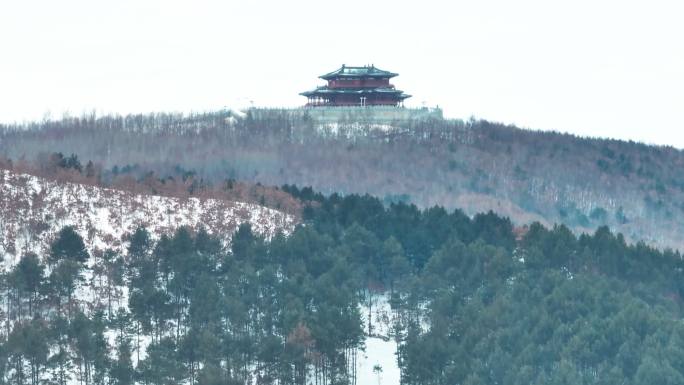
(358, 72)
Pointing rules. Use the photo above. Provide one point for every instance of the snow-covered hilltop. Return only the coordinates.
(34, 209)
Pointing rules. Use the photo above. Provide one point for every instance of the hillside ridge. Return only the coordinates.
(473, 165)
(33, 209)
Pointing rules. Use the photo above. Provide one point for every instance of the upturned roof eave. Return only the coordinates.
(330, 77)
(376, 72)
(358, 91)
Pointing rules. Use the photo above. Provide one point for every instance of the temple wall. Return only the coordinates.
(356, 114)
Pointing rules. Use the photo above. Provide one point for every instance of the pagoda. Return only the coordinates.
(356, 86)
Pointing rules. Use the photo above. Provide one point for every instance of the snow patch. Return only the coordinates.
(378, 364)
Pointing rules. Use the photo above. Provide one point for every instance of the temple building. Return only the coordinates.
(356, 86)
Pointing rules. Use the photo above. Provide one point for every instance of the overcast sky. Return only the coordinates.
(611, 68)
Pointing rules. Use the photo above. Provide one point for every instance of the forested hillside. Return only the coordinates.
(474, 301)
(473, 165)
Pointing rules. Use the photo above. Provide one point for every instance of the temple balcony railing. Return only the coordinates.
(354, 105)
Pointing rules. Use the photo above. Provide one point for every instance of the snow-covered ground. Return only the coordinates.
(378, 364)
(34, 209)
(381, 354)
(350, 130)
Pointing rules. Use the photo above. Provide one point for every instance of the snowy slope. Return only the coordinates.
(378, 364)
(34, 209)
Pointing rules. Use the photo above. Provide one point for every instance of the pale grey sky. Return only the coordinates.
(611, 68)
